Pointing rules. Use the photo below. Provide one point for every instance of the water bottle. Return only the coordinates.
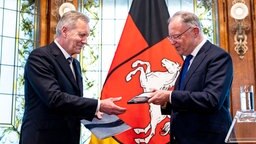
(247, 98)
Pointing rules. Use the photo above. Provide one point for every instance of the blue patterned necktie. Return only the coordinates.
(184, 70)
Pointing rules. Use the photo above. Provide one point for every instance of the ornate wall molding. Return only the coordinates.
(239, 11)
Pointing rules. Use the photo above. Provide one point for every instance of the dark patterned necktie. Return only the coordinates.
(184, 70)
(70, 60)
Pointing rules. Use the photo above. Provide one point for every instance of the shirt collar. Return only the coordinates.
(65, 53)
(198, 47)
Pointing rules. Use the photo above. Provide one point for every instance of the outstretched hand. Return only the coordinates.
(159, 97)
(109, 107)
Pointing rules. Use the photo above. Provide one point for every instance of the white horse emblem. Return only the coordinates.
(157, 80)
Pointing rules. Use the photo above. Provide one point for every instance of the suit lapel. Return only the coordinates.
(63, 63)
(197, 61)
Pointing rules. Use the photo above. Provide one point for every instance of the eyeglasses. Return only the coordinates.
(178, 36)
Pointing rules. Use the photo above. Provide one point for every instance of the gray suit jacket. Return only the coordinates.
(200, 112)
(54, 103)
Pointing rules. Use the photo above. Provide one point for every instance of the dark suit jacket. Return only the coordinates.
(200, 112)
(53, 99)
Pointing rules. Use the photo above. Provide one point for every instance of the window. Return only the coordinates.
(18, 37)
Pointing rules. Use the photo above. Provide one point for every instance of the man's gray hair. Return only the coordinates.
(188, 18)
(69, 19)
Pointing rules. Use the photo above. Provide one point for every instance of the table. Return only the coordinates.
(243, 128)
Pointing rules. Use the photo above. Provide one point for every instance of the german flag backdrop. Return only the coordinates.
(144, 59)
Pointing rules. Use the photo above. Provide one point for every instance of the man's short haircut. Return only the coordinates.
(69, 19)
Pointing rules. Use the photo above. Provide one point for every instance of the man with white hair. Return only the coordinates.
(54, 102)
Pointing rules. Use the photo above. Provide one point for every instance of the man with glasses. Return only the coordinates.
(199, 104)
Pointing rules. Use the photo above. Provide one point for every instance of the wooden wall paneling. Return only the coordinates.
(54, 16)
(253, 29)
(49, 17)
(75, 2)
(244, 69)
(223, 37)
(222, 15)
(44, 23)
